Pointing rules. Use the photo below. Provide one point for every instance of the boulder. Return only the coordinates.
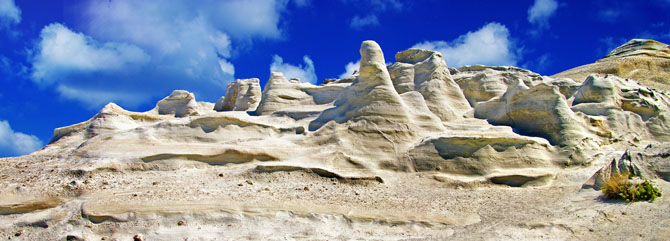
(241, 95)
(180, 103)
(651, 162)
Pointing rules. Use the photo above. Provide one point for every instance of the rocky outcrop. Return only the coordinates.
(392, 149)
(651, 162)
(431, 78)
(637, 47)
(632, 111)
(402, 75)
(180, 103)
(645, 60)
(371, 97)
(538, 111)
(241, 95)
(296, 99)
(482, 83)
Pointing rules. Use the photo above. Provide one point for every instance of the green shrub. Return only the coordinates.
(619, 186)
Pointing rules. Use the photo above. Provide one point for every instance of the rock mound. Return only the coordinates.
(647, 61)
(296, 99)
(180, 103)
(241, 95)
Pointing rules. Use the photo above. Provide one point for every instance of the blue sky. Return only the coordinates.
(61, 61)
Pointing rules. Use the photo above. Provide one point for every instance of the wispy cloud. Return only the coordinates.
(375, 8)
(490, 45)
(305, 73)
(540, 13)
(350, 68)
(360, 22)
(13, 143)
(302, 3)
(609, 15)
(10, 14)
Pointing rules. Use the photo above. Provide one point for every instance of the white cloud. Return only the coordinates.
(375, 5)
(149, 21)
(61, 49)
(609, 15)
(302, 3)
(305, 73)
(16, 143)
(372, 8)
(360, 22)
(490, 45)
(10, 14)
(134, 52)
(350, 68)
(540, 12)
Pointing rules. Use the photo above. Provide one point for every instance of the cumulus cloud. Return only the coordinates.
(149, 21)
(490, 45)
(305, 73)
(64, 50)
(540, 12)
(359, 22)
(350, 68)
(134, 52)
(10, 14)
(14, 143)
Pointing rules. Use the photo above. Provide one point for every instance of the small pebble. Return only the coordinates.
(240, 184)
(181, 223)
(154, 183)
(137, 238)
(18, 233)
(306, 189)
(249, 182)
(220, 174)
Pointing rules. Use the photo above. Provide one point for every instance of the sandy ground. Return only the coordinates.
(195, 201)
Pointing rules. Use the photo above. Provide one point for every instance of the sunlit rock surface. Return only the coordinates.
(408, 150)
(644, 60)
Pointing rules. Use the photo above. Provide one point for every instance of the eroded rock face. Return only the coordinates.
(644, 60)
(632, 111)
(644, 47)
(651, 162)
(241, 95)
(180, 103)
(405, 130)
(296, 99)
(371, 97)
(540, 111)
(431, 78)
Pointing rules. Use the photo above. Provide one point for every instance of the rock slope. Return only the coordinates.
(647, 61)
(412, 150)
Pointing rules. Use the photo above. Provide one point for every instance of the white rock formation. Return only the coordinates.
(432, 79)
(180, 103)
(414, 149)
(296, 99)
(241, 95)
